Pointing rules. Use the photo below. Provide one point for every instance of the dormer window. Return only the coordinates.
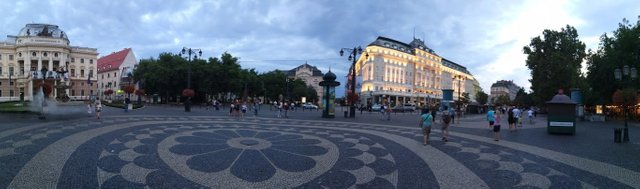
(33, 54)
(45, 54)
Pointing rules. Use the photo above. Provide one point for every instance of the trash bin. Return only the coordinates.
(617, 135)
(346, 114)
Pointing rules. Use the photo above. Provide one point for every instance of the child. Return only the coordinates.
(496, 127)
(425, 122)
(98, 107)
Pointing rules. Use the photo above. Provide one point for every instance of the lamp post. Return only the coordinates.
(459, 78)
(189, 52)
(352, 57)
(619, 74)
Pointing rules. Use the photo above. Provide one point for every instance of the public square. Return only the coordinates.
(164, 147)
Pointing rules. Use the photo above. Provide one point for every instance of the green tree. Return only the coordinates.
(502, 100)
(481, 97)
(623, 48)
(554, 60)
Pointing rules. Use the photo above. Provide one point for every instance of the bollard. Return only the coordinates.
(617, 135)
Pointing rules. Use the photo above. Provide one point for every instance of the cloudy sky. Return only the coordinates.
(486, 36)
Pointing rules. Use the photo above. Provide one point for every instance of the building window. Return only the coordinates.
(0, 56)
(10, 92)
(82, 61)
(55, 55)
(73, 72)
(90, 61)
(10, 83)
(108, 75)
(45, 54)
(82, 93)
(102, 76)
(73, 93)
(73, 59)
(10, 57)
(0, 92)
(90, 72)
(91, 92)
(33, 54)
(81, 73)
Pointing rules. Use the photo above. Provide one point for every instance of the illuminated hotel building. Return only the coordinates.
(45, 47)
(393, 71)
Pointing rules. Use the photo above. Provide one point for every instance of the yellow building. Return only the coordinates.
(45, 48)
(396, 72)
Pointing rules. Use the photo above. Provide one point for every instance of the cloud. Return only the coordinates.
(485, 36)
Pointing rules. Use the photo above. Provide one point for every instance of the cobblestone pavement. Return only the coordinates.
(163, 147)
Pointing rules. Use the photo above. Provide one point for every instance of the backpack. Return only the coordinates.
(446, 117)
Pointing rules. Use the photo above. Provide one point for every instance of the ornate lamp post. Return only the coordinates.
(352, 57)
(619, 74)
(189, 52)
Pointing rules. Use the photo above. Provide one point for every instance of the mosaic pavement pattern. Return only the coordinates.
(218, 152)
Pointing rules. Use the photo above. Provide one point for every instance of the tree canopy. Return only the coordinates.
(555, 61)
(216, 78)
(623, 48)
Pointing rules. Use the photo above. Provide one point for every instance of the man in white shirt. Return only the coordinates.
(516, 114)
(530, 112)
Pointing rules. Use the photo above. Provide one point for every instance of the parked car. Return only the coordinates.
(405, 108)
(376, 107)
(309, 106)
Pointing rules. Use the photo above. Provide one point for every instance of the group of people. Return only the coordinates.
(428, 119)
(494, 116)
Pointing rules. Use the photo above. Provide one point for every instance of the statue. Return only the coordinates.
(61, 34)
(28, 32)
(45, 32)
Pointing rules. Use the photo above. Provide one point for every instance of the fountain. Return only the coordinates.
(60, 105)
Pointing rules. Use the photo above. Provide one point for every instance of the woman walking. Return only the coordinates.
(511, 120)
(98, 107)
(496, 127)
(425, 122)
(446, 119)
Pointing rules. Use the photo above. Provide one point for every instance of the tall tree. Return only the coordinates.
(554, 60)
(481, 97)
(623, 48)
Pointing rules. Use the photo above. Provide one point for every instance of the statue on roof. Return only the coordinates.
(45, 32)
(28, 32)
(61, 34)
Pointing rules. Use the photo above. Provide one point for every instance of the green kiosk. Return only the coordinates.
(562, 115)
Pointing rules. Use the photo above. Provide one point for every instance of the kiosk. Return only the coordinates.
(562, 115)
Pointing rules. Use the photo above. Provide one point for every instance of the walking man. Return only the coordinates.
(446, 119)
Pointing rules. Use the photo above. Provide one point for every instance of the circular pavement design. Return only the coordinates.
(219, 152)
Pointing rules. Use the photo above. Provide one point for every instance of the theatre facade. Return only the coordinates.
(41, 54)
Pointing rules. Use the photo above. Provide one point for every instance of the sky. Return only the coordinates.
(486, 36)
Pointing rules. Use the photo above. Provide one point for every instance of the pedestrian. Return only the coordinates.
(496, 127)
(446, 119)
(231, 109)
(383, 111)
(89, 109)
(530, 113)
(516, 115)
(255, 108)
(286, 109)
(511, 120)
(244, 109)
(279, 109)
(425, 122)
(452, 113)
(98, 107)
(433, 115)
(491, 117)
(388, 111)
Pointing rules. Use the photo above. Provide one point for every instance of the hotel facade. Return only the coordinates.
(45, 48)
(395, 72)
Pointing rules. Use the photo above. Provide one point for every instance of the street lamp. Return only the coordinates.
(189, 52)
(633, 74)
(352, 57)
